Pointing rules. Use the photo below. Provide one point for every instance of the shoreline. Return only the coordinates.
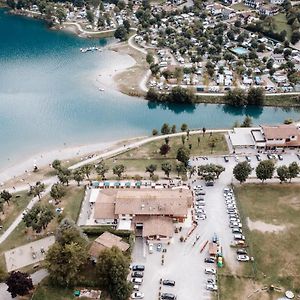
(43, 159)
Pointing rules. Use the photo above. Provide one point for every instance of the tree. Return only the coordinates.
(294, 170)
(183, 155)
(65, 258)
(19, 284)
(64, 262)
(212, 144)
(181, 95)
(64, 175)
(149, 58)
(57, 191)
(167, 168)
(112, 270)
(256, 96)
(78, 176)
(87, 169)
(192, 170)
(121, 4)
(181, 169)
(210, 172)
(121, 33)
(154, 132)
(101, 169)
(118, 170)
(60, 14)
(183, 139)
(265, 170)
(173, 129)
(295, 38)
(56, 164)
(283, 173)
(236, 97)
(126, 24)
(164, 149)
(151, 169)
(247, 122)
(203, 130)
(184, 127)
(6, 196)
(37, 189)
(90, 16)
(242, 171)
(165, 129)
(39, 217)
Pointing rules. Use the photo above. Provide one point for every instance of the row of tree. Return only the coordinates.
(265, 170)
(176, 95)
(239, 97)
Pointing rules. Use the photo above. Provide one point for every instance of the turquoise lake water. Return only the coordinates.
(47, 96)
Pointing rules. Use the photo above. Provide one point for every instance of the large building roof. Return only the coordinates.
(153, 202)
(280, 131)
(105, 204)
(106, 241)
(158, 226)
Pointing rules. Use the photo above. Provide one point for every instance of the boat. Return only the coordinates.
(101, 90)
(94, 48)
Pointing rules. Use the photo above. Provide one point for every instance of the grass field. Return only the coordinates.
(136, 160)
(275, 253)
(16, 205)
(281, 24)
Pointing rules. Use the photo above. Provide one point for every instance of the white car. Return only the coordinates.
(243, 257)
(136, 280)
(137, 295)
(211, 287)
(210, 271)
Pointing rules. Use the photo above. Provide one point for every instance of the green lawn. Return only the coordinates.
(17, 204)
(276, 254)
(136, 160)
(240, 7)
(281, 24)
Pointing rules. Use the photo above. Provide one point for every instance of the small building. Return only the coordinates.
(253, 3)
(107, 240)
(268, 10)
(241, 137)
(278, 2)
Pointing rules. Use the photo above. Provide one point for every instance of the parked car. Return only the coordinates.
(137, 274)
(236, 230)
(270, 156)
(280, 157)
(137, 295)
(150, 248)
(211, 281)
(298, 155)
(211, 287)
(238, 236)
(209, 260)
(168, 296)
(158, 247)
(243, 257)
(136, 287)
(241, 251)
(226, 159)
(138, 268)
(138, 281)
(235, 224)
(258, 157)
(209, 183)
(236, 158)
(248, 158)
(168, 282)
(210, 271)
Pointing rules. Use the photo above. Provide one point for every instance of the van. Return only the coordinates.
(150, 248)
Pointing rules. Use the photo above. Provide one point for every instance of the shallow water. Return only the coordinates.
(48, 100)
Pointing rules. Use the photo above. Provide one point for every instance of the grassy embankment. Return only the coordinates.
(276, 254)
(136, 160)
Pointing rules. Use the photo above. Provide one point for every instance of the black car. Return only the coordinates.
(241, 251)
(298, 155)
(258, 157)
(280, 157)
(248, 159)
(209, 260)
(168, 282)
(138, 268)
(137, 274)
(209, 183)
(226, 159)
(270, 156)
(168, 296)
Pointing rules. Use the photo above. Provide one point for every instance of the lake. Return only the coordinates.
(48, 98)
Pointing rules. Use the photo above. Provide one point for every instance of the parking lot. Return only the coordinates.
(183, 261)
